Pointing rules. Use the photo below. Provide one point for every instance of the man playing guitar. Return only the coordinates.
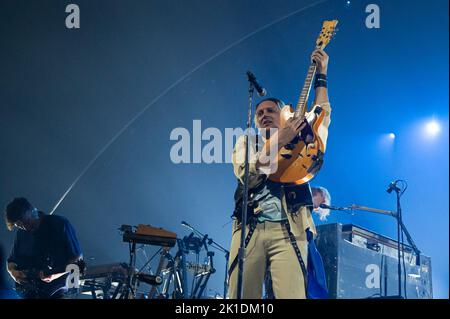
(43, 247)
(281, 213)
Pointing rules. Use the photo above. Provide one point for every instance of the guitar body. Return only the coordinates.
(299, 161)
(35, 288)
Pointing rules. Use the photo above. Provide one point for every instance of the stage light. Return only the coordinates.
(386, 142)
(432, 128)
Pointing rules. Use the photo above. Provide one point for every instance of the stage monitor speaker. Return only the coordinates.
(362, 264)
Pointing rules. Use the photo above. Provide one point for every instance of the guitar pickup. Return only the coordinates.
(291, 145)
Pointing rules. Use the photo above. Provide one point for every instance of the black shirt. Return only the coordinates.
(51, 246)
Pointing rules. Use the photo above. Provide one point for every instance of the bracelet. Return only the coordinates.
(320, 83)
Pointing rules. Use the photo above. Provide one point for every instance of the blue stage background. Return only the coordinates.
(65, 93)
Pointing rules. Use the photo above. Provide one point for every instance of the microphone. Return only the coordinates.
(252, 79)
(325, 206)
(187, 225)
(392, 186)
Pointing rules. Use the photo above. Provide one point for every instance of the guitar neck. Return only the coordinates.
(304, 94)
(327, 32)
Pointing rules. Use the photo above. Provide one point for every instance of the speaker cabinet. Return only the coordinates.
(362, 264)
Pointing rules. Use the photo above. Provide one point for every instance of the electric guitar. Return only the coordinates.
(35, 288)
(301, 159)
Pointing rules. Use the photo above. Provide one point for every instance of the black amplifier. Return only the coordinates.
(362, 264)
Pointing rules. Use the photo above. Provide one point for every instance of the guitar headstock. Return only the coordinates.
(327, 32)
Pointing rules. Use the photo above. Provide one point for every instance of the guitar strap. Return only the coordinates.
(298, 253)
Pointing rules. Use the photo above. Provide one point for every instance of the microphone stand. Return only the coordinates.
(242, 249)
(218, 247)
(399, 229)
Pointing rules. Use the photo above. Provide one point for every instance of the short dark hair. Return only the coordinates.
(278, 102)
(15, 211)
